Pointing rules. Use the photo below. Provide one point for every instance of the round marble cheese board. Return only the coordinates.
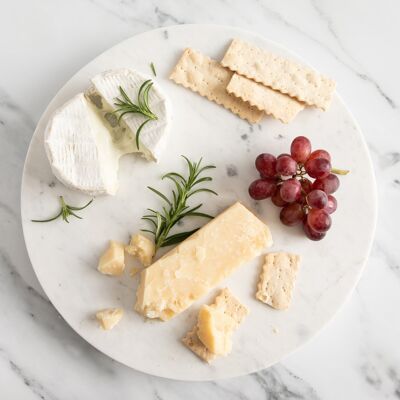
(64, 256)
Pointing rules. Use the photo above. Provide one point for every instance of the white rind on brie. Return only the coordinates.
(103, 94)
(80, 149)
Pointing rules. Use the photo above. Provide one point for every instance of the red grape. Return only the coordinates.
(262, 188)
(318, 167)
(286, 166)
(292, 214)
(277, 199)
(306, 185)
(300, 149)
(311, 234)
(329, 184)
(290, 190)
(319, 220)
(317, 199)
(283, 154)
(320, 154)
(266, 165)
(331, 206)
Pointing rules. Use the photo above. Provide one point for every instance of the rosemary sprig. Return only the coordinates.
(153, 69)
(65, 211)
(176, 208)
(126, 106)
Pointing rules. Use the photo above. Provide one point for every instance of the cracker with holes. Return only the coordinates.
(207, 77)
(277, 279)
(272, 102)
(279, 73)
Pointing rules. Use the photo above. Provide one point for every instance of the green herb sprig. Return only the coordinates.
(176, 209)
(126, 106)
(65, 211)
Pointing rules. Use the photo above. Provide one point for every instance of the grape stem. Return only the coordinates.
(339, 171)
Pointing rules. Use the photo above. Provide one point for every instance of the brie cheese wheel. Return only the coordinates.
(80, 148)
(103, 94)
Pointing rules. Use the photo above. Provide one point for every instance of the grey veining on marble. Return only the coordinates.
(42, 44)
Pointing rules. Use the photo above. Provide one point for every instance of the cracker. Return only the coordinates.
(279, 73)
(277, 104)
(192, 341)
(232, 307)
(277, 279)
(208, 78)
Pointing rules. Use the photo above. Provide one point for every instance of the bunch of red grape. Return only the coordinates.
(284, 179)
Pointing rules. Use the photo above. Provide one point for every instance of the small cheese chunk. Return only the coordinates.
(213, 333)
(215, 330)
(277, 279)
(112, 262)
(142, 248)
(198, 264)
(109, 317)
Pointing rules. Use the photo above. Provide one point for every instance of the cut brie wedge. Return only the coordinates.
(84, 140)
(103, 94)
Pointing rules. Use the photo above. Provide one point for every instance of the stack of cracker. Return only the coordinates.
(252, 82)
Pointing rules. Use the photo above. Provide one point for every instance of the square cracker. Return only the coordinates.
(232, 307)
(279, 73)
(207, 77)
(277, 104)
(192, 341)
(277, 278)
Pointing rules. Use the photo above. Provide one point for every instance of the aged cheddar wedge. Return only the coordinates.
(201, 262)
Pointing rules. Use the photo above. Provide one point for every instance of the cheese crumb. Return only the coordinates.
(142, 248)
(112, 262)
(109, 317)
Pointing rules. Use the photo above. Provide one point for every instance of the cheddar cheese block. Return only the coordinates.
(198, 264)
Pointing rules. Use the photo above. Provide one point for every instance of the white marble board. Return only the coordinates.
(65, 256)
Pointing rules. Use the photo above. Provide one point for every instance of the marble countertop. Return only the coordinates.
(44, 43)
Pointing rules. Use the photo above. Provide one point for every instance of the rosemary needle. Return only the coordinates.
(176, 208)
(126, 106)
(153, 69)
(65, 211)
